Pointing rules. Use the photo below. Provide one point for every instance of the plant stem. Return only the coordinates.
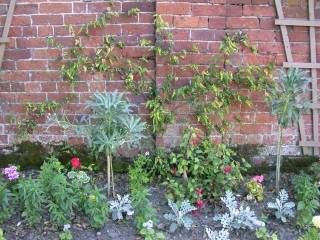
(185, 175)
(112, 178)
(278, 159)
(108, 172)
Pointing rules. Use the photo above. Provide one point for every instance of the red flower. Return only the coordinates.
(200, 203)
(199, 191)
(227, 169)
(75, 163)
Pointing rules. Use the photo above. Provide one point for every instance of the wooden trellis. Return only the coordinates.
(312, 23)
(4, 39)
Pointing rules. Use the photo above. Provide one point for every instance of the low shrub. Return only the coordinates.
(307, 195)
(198, 164)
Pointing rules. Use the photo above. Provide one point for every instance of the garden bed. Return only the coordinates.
(16, 228)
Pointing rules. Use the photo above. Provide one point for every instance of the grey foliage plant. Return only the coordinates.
(283, 208)
(238, 216)
(179, 216)
(287, 100)
(120, 207)
(109, 126)
(223, 234)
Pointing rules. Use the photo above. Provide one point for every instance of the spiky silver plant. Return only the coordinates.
(283, 208)
(223, 234)
(121, 206)
(179, 217)
(238, 215)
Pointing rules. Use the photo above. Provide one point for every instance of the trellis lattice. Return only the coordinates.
(4, 39)
(312, 23)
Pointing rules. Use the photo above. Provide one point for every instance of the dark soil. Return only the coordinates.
(17, 229)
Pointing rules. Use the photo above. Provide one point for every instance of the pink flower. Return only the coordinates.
(227, 169)
(11, 173)
(258, 179)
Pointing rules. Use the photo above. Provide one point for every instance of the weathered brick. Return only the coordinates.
(173, 8)
(190, 22)
(55, 7)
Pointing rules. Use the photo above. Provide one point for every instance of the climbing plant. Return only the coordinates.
(211, 93)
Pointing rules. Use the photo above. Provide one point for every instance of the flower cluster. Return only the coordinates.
(11, 173)
(258, 179)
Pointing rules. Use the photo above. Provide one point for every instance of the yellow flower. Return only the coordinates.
(92, 198)
(316, 221)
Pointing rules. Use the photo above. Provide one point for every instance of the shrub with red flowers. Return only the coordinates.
(203, 170)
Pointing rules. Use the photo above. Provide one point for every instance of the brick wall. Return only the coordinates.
(30, 71)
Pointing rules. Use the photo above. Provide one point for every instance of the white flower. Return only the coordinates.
(66, 227)
(146, 153)
(148, 225)
(130, 213)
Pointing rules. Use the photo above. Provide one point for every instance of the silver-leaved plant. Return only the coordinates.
(283, 208)
(121, 206)
(223, 234)
(179, 216)
(238, 215)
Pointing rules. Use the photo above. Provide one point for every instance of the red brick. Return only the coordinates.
(31, 42)
(217, 23)
(47, 19)
(143, 6)
(259, 11)
(138, 29)
(234, 11)
(32, 65)
(79, 18)
(55, 8)
(190, 22)
(236, 22)
(21, 21)
(208, 10)
(22, 9)
(255, 128)
(17, 54)
(173, 8)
